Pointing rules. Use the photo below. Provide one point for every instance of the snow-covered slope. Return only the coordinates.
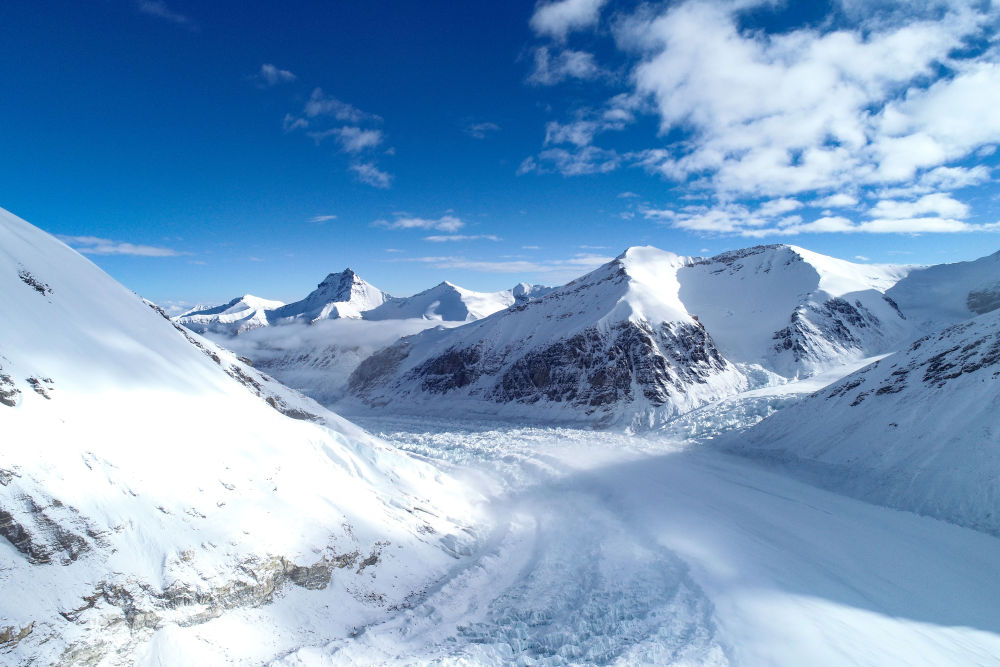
(614, 345)
(238, 316)
(937, 296)
(918, 430)
(444, 302)
(343, 294)
(793, 311)
(150, 482)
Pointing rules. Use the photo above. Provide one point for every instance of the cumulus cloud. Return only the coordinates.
(271, 75)
(891, 101)
(92, 245)
(557, 19)
(446, 223)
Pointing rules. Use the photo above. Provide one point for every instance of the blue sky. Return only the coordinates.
(197, 151)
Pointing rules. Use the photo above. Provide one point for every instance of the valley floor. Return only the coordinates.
(606, 548)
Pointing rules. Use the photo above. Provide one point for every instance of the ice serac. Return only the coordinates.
(240, 315)
(614, 346)
(917, 430)
(340, 295)
(447, 302)
(793, 311)
(151, 482)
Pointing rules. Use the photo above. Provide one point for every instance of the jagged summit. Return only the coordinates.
(343, 294)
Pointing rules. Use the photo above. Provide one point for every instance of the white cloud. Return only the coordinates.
(569, 267)
(550, 69)
(291, 123)
(740, 220)
(937, 204)
(370, 174)
(92, 245)
(322, 218)
(583, 160)
(480, 130)
(557, 19)
(839, 200)
(862, 258)
(320, 104)
(159, 9)
(355, 139)
(272, 75)
(442, 238)
(446, 223)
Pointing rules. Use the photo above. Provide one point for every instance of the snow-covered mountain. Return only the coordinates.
(156, 493)
(917, 430)
(238, 316)
(445, 301)
(615, 344)
(793, 311)
(937, 296)
(343, 294)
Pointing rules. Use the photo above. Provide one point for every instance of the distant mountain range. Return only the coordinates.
(346, 295)
(638, 341)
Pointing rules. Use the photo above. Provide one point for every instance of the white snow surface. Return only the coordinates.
(240, 315)
(935, 297)
(343, 294)
(746, 296)
(619, 550)
(918, 430)
(154, 488)
(444, 302)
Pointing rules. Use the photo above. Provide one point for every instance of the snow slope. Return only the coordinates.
(793, 311)
(240, 315)
(343, 294)
(150, 481)
(616, 550)
(918, 430)
(444, 302)
(615, 345)
(937, 296)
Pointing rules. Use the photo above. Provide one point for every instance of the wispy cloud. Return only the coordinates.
(320, 104)
(160, 10)
(370, 174)
(480, 130)
(446, 223)
(354, 138)
(571, 266)
(552, 67)
(92, 245)
(442, 238)
(270, 75)
(322, 218)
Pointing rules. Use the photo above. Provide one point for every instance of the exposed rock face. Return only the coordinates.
(612, 346)
(343, 294)
(984, 299)
(916, 430)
